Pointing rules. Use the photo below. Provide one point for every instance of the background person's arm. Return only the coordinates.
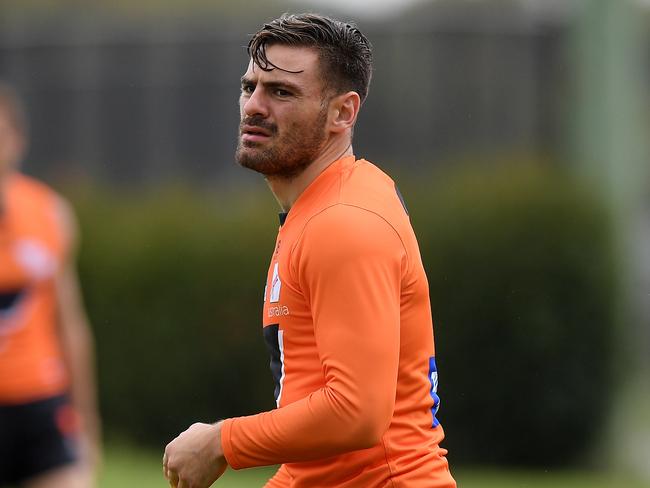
(78, 346)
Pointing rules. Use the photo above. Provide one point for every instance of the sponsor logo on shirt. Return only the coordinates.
(274, 297)
(278, 311)
(276, 285)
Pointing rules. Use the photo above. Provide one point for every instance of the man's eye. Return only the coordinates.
(247, 89)
(282, 93)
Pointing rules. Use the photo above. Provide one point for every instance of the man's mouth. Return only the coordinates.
(254, 133)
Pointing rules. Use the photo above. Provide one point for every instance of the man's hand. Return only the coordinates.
(195, 458)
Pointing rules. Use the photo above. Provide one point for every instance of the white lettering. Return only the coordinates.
(278, 311)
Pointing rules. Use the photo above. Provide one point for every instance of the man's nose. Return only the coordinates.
(256, 104)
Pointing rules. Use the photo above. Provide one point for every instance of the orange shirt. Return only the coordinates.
(348, 323)
(32, 248)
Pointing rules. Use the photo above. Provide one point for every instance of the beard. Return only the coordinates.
(287, 154)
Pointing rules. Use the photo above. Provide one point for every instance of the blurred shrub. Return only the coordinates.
(521, 279)
(173, 284)
(522, 285)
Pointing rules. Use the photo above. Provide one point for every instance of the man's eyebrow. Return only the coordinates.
(273, 84)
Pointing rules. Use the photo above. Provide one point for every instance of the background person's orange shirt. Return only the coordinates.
(348, 323)
(32, 248)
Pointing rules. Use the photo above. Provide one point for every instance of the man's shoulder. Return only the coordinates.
(367, 186)
(359, 198)
(347, 226)
(365, 171)
(40, 201)
(346, 235)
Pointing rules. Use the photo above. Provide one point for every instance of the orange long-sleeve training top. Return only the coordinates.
(348, 323)
(33, 246)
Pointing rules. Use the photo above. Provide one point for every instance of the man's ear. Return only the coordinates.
(343, 111)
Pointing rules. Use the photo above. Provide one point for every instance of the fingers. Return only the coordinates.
(170, 474)
(173, 479)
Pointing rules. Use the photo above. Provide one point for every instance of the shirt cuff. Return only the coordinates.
(226, 444)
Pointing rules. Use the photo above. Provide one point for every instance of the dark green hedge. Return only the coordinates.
(173, 285)
(521, 278)
(521, 273)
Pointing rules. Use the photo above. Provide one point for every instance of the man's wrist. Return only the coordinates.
(218, 425)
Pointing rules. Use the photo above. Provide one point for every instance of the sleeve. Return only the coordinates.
(349, 264)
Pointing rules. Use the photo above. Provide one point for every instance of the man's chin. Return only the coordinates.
(249, 161)
(269, 169)
(252, 166)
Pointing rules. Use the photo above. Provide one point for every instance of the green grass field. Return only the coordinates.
(128, 467)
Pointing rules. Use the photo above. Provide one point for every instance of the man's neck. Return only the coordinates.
(287, 190)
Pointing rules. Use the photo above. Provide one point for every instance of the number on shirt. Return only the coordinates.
(433, 379)
(273, 337)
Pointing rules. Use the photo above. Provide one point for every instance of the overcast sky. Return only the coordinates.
(361, 8)
(385, 8)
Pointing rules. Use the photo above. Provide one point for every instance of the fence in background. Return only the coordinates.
(144, 103)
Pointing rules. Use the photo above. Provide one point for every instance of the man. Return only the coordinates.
(49, 427)
(346, 313)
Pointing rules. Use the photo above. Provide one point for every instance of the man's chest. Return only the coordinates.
(286, 304)
(289, 329)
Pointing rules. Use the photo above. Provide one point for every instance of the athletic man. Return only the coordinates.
(346, 310)
(48, 419)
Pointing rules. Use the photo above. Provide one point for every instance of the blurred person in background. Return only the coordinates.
(49, 424)
(346, 312)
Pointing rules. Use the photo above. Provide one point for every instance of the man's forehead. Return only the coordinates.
(296, 62)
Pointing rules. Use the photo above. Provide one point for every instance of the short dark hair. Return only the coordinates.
(12, 104)
(345, 54)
